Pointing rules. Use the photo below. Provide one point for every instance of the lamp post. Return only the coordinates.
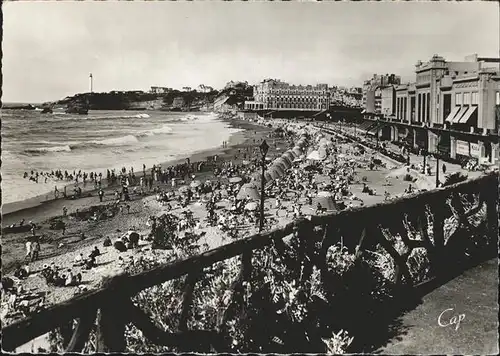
(264, 147)
(376, 132)
(424, 153)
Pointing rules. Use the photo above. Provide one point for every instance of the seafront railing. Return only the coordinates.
(400, 227)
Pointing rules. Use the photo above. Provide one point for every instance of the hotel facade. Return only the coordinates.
(273, 94)
(451, 108)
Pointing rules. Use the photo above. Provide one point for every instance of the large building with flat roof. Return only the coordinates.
(451, 107)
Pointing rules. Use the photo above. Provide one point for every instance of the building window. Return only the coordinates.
(466, 98)
(458, 99)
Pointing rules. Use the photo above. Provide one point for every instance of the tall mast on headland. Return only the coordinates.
(91, 82)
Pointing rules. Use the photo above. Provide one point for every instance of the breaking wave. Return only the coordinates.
(39, 150)
(165, 129)
(116, 141)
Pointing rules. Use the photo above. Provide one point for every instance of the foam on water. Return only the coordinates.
(105, 141)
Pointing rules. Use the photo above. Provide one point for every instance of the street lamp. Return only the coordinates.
(264, 147)
(376, 131)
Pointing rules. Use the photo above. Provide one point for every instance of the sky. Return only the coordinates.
(49, 48)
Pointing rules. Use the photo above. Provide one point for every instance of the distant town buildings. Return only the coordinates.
(452, 107)
(160, 90)
(341, 96)
(372, 92)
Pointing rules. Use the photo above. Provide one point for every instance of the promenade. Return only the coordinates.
(473, 297)
(414, 158)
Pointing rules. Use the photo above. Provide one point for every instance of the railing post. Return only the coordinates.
(187, 300)
(491, 196)
(81, 333)
(111, 320)
(438, 237)
(66, 331)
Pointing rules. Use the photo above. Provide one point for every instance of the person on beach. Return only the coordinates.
(28, 250)
(101, 195)
(33, 228)
(35, 251)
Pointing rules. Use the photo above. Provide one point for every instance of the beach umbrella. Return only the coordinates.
(314, 156)
(248, 190)
(195, 184)
(235, 180)
(268, 159)
(251, 206)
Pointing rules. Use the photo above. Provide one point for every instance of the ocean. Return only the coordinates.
(98, 141)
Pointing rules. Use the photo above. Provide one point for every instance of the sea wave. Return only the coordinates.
(64, 117)
(65, 148)
(165, 129)
(116, 141)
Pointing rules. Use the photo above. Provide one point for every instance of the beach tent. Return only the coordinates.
(287, 159)
(283, 162)
(250, 191)
(276, 172)
(297, 151)
(279, 167)
(289, 154)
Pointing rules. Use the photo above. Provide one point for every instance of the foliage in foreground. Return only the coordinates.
(290, 303)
